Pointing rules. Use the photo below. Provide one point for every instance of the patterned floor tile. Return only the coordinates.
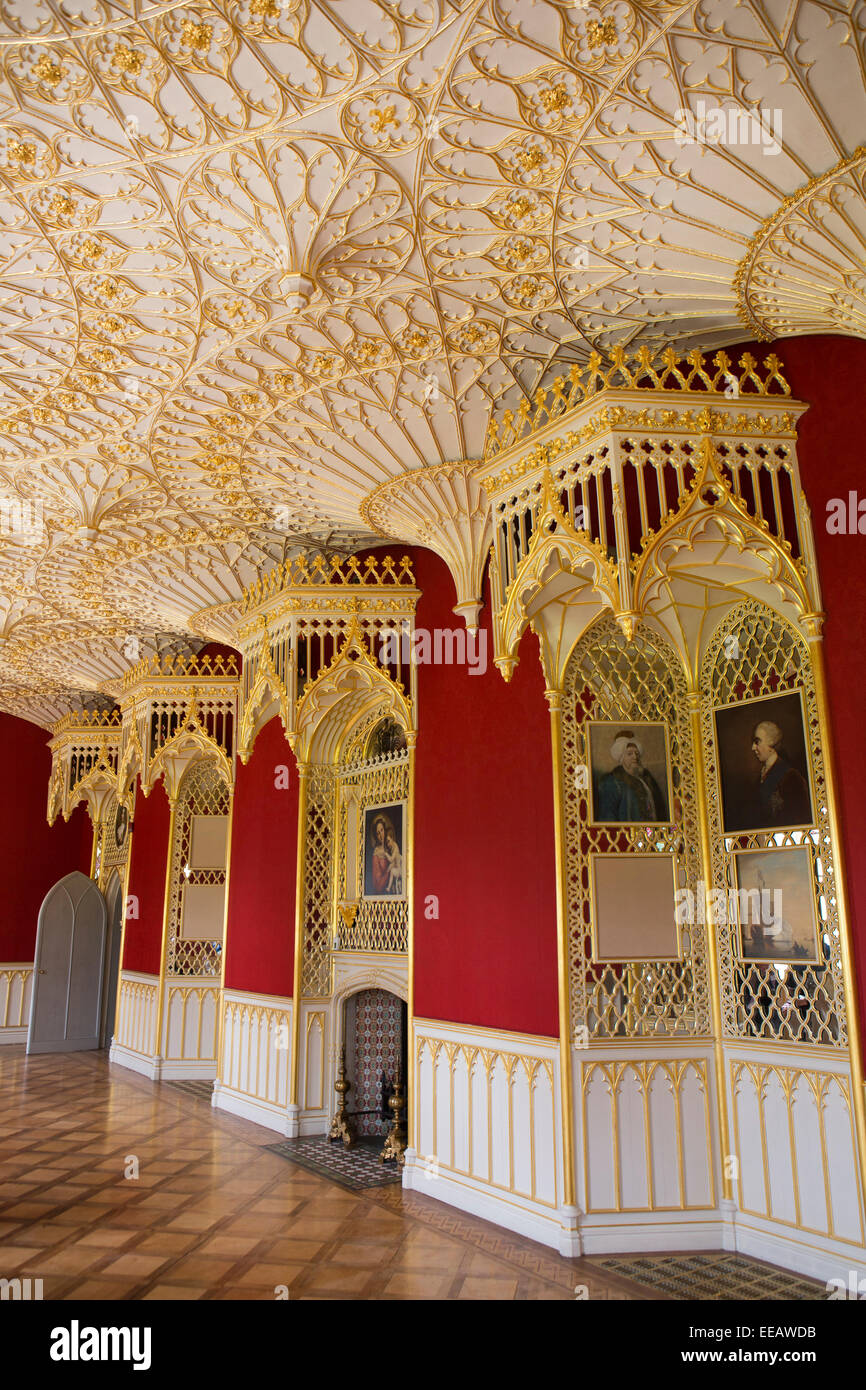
(354, 1169)
(715, 1277)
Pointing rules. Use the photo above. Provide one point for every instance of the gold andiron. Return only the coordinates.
(341, 1127)
(395, 1143)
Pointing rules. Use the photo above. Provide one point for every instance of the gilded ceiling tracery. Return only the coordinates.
(260, 258)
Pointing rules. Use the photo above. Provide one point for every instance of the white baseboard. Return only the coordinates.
(314, 1125)
(135, 1061)
(514, 1213)
(261, 1112)
(188, 1071)
(812, 1255)
(13, 1035)
(704, 1232)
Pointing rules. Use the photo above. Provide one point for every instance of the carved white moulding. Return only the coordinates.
(444, 508)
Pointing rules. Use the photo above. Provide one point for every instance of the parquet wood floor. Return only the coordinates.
(214, 1215)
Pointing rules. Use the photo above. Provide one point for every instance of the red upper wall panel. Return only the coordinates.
(261, 918)
(484, 836)
(142, 943)
(34, 855)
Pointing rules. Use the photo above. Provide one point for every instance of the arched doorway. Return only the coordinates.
(66, 1010)
(375, 1035)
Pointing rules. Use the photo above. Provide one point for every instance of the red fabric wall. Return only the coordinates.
(484, 837)
(34, 855)
(142, 942)
(261, 918)
(830, 374)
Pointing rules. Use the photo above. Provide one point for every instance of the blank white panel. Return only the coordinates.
(461, 1112)
(426, 1136)
(545, 1155)
(752, 1192)
(521, 1130)
(174, 1036)
(598, 1129)
(208, 1007)
(443, 1107)
(245, 1079)
(697, 1158)
(478, 1081)
(807, 1145)
(632, 1136)
(203, 911)
(499, 1086)
(314, 1066)
(782, 1206)
(842, 1163)
(230, 1048)
(207, 848)
(663, 1140)
(278, 1090)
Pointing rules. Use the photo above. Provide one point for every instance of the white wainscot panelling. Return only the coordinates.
(314, 1066)
(256, 1058)
(645, 1152)
(191, 1019)
(644, 1128)
(134, 1043)
(798, 1186)
(487, 1115)
(16, 984)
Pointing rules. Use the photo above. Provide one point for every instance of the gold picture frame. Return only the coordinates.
(747, 804)
(610, 783)
(384, 862)
(797, 887)
(634, 886)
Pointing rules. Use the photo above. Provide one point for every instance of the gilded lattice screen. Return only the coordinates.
(203, 793)
(378, 926)
(334, 795)
(755, 653)
(318, 869)
(610, 678)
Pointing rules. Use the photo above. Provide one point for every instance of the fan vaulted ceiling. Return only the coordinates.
(259, 257)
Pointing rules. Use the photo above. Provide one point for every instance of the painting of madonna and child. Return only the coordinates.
(630, 774)
(384, 848)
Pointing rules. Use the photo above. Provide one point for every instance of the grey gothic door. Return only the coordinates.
(70, 953)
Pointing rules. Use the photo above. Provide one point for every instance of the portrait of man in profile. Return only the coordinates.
(763, 768)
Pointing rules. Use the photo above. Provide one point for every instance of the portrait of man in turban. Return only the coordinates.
(630, 778)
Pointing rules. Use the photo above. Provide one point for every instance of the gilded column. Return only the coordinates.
(569, 1243)
(694, 706)
(221, 1016)
(300, 874)
(166, 912)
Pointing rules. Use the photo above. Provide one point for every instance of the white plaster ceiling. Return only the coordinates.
(260, 257)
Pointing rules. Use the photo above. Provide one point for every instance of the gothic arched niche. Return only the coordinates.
(618, 693)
